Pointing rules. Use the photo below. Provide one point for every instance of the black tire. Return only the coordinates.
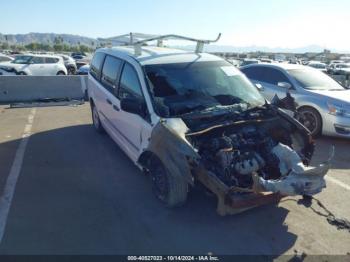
(71, 70)
(171, 190)
(61, 73)
(22, 74)
(311, 119)
(96, 120)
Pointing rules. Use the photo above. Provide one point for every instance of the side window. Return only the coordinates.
(253, 73)
(38, 60)
(110, 72)
(96, 65)
(51, 60)
(129, 83)
(272, 76)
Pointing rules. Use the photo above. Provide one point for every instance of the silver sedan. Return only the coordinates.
(322, 102)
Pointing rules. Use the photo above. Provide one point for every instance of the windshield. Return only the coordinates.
(314, 79)
(185, 87)
(23, 59)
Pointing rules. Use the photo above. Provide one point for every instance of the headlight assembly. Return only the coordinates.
(337, 109)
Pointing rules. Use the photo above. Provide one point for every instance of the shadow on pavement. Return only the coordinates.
(78, 193)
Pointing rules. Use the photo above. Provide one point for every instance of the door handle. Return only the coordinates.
(116, 108)
(109, 101)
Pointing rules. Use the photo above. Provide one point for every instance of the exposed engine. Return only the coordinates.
(235, 157)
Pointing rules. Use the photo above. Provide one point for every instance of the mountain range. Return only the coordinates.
(50, 38)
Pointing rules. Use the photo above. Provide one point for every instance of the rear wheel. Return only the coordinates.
(311, 119)
(71, 71)
(61, 73)
(171, 190)
(96, 119)
(22, 74)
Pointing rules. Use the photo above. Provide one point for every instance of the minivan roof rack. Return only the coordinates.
(137, 40)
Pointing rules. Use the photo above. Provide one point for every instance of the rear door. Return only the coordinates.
(51, 65)
(37, 66)
(108, 102)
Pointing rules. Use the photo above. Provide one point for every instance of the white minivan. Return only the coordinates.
(35, 65)
(188, 118)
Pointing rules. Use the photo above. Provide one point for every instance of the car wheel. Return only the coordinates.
(311, 119)
(169, 189)
(22, 74)
(61, 73)
(71, 71)
(96, 120)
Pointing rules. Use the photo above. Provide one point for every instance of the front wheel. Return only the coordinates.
(168, 188)
(61, 73)
(311, 119)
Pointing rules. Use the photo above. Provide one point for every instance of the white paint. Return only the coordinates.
(10, 186)
(338, 182)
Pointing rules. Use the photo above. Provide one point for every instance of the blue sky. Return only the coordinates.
(272, 23)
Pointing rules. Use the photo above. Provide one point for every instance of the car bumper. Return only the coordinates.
(336, 126)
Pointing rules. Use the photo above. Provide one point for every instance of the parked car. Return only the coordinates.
(78, 54)
(249, 61)
(185, 119)
(266, 60)
(319, 66)
(5, 58)
(78, 57)
(339, 69)
(70, 64)
(39, 65)
(323, 103)
(83, 70)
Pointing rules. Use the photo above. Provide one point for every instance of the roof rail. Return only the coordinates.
(138, 39)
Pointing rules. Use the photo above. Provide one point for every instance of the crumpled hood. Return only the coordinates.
(341, 95)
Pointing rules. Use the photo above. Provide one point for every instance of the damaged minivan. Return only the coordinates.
(189, 118)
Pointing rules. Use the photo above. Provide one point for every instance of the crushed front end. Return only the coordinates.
(254, 158)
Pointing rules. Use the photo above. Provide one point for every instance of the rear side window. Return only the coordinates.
(96, 65)
(110, 72)
(253, 73)
(265, 74)
(51, 60)
(129, 83)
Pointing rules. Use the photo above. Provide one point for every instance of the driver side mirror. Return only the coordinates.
(134, 106)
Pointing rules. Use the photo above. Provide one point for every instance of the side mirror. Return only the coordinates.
(134, 106)
(284, 85)
(259, 87)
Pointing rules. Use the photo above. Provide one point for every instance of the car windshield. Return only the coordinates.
(23, 59)
(186, 87)
(314, 79)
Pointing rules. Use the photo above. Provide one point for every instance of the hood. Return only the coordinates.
(8, 64)
(341, 95)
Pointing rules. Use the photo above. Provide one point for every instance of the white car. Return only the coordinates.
(319, 66)
(35, 65)
(189, 117)
(5, 58)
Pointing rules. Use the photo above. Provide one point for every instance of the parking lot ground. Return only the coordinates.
(78, 193)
